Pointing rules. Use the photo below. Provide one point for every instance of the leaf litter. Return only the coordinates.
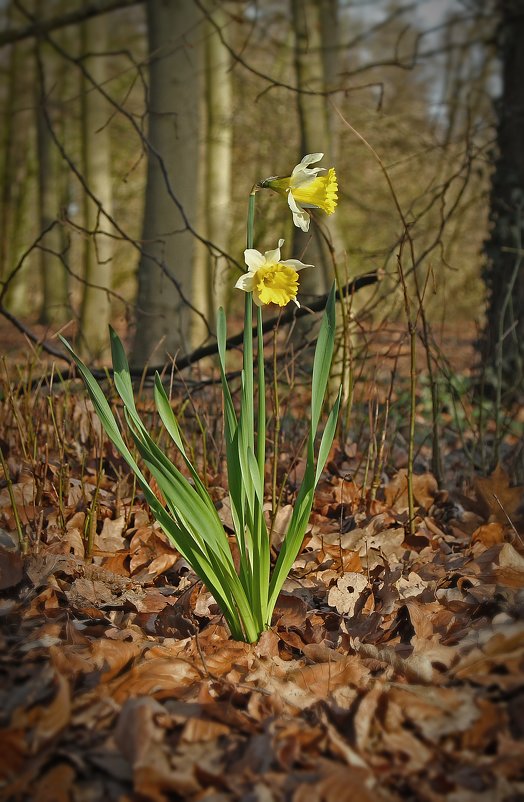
(393, 670)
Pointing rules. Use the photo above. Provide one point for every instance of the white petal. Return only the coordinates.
(295, 264)
(311, 158)
(272, 257)
(246, 282)
(253, 258)
(306, 177)
(300, 218)
(256, 298)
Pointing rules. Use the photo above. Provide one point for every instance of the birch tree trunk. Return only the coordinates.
(96, 307)
(165, 273)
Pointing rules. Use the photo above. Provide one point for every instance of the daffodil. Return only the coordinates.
(272, 280)
(305, 188)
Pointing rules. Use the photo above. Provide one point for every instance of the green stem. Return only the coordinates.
(248, 334)
(261, 434)
(412, 415)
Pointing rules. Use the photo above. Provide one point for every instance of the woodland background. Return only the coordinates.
(132, 134)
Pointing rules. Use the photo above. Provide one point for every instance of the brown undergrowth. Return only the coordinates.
(393, 669)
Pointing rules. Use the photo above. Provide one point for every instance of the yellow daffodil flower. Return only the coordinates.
(305, 188)
(270, 279)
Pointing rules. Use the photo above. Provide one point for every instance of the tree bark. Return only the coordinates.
(504, 334)
(211, 271)
(314, 24)
(165, 279)
(55, 305)
(219, 143)
(98, 247)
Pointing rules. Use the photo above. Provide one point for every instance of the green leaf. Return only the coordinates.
(327, 437)
(322, 360)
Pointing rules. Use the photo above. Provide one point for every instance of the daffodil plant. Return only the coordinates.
(246, 595)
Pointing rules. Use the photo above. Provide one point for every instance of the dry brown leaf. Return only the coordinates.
(158, 677)
(345, 594)
(365, 714)
(416, 667)
(111, 537)
(11, 568)
(198, 730)
(425, 488)
(322, 679)
(489, 534)
(496, 486)
(437, 712)
(13, 752)
(338, 783)
(56, 785)
(222, 660)
(280, 525)
(23, 494)
(158, 566)
(51, 719)
(138, 727)
(111, 656)
(290, 611)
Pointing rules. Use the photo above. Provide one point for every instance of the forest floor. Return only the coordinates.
(393, 670)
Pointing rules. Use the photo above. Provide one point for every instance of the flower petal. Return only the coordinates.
(253, 258)
(300, 218)
(311, 158)
(246, 282)
(296, 264)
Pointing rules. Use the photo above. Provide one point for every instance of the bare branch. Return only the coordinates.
(37, 28)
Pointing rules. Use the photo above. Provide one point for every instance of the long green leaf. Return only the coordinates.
(322, 360)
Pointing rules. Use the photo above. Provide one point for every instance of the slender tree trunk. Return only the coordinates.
(55, 306)
(219, 109)
(8, 163)
(315, 66)
(211, 271)
(96, 306)
(504, 336)
(165, 274)
(16, 157)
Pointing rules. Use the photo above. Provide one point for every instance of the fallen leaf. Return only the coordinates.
(489, 534)
(158, 677)
(11, 568)
(497, 486)
(345, 594)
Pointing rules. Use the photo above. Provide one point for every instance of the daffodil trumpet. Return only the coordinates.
(246, 591)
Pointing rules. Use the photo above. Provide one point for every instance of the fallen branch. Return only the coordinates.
(199, 353)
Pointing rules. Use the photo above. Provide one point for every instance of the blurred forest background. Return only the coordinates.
(132, 134)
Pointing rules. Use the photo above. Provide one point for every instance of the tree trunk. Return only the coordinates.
(14, 178)
(55, 304)
(219, 143)
(96, 306)
(504, 335)
(165, 274)
(315, 67)
(211, 271)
